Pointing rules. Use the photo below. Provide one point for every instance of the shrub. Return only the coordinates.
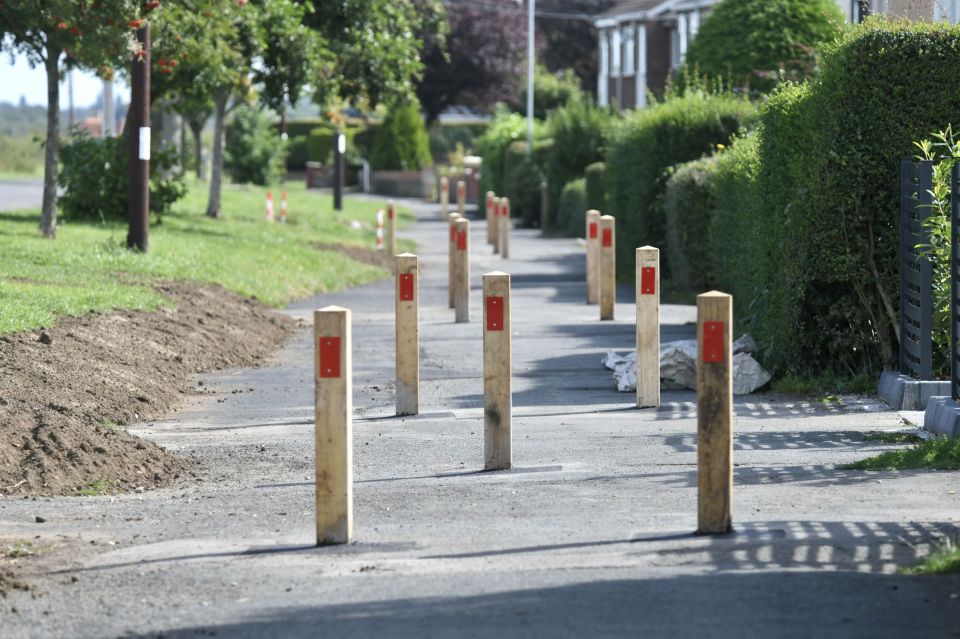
(750, 41)
(571, 208)
(401, 143)
(649, 141)
(505, 129)
(578, 131)
(253, 150)
(93, 174)
(522, 179)
(596, 194)
(444, 139)
(687, 205)
(550, 91)
(297, 152)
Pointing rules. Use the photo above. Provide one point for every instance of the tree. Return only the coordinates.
(485, 63)
(59, 34)
(569, 38)
(755, 42)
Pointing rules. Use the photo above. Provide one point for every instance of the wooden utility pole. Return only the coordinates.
(408, 335)
(648, 327)
(497, 397)
(139, 129)
(714, 413)
(333, 435)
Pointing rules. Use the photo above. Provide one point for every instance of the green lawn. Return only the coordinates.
(938, 454)
(88, 267)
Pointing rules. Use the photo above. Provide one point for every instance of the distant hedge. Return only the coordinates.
(401, 143)
(572, 208)
(646, 144)
(505, 129)
(596, 191)
(687, 205)
(522, 178)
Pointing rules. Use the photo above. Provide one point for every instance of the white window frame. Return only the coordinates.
(629, 49)
(641, 79)
(603, 78)
(615, 53)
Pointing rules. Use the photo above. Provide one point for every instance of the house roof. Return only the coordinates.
(644, 9)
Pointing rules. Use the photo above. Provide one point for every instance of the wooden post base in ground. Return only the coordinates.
(333, 435)
(714, 413)
(461, 271)
(648, 327)
(608, 267)
(408, 334)
(497, 398)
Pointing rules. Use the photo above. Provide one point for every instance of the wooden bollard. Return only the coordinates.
(497, 398)
(495, 229)
(461, 272)
(333, 430)
(408, 335)
(490, 215)
(648, 327)
(714, 413)
(452, 257)
(391, 229)
(504, 233)
(462, 198)
(444, 197)
(608, 266)
(593, 255)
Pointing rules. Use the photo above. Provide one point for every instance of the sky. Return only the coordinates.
(19, 79)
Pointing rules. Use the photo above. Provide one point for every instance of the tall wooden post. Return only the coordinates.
(391, 228)
(495, 230)
(593, 256)
(505, 227)
(139, 167)
(714, 413)
(462, 198)
(333, 435)
(408, 335)
(648, 327)
(497, 398)
(489, 215)
(608, 266)
(444, 196)
(452, 258)
(461, 272)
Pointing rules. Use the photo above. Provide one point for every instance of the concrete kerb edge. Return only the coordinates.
(942, 416)
(902, 392)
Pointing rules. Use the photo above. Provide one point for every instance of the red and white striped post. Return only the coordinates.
(379, 229)
(283, 207)
(269, 206)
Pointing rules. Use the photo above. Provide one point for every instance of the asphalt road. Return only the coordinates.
(20, 193)
(590, 535)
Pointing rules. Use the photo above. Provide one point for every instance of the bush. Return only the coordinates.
(687, 205)
(253, 150)
(578, 131)
(523, 177)
(596, 194)
(93, 174)
(297, 155)
(505, 129)
(572, 207)
(401, 143)
(550, 91)
(750, 41)
(646, 144)
(444, 139)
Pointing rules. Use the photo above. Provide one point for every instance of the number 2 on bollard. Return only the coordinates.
(329, 357)
(494, 313)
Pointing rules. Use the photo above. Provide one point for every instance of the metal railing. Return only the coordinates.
(916, 273)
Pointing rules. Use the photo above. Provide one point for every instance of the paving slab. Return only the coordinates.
(591, 534)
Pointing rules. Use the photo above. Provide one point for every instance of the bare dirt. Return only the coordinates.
(359, 254)
(67, 392)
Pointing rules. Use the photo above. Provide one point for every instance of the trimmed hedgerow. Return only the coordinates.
(646, 144)
(522, 178)
(401, 143)
(505, 129)
(596, 192)
(755, 43)
(687, 205)
(571, 208)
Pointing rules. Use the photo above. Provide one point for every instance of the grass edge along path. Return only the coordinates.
(88, 268)
(942, 453)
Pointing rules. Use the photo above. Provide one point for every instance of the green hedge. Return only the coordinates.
(688, 204)
(579, 133)
(572, 207)
(505, 129)
(596, 191)
(401, 143)
(444, 139)
(522, 179)
(646, 144)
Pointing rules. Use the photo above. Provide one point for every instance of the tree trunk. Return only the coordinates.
(196, 128)
(48, 211)
(216, 168)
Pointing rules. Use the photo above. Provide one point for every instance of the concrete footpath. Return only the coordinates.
(589, 535)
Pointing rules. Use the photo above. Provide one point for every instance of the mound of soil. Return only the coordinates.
(359, 254)
(66, 392)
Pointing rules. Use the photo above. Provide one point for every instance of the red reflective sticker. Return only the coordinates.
(494, 313)
(608, 237)
(453, 234)
(462, 240)
(406, 287)
(593, 230)
(648, 280)
(713, 347)
(390, 212)
(505, 209)
(329, 357)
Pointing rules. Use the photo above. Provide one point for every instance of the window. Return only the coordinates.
(629, 53)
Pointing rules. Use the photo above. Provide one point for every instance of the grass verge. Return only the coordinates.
(943, 560)
(827, 388)
(936, 454)
(88, 268)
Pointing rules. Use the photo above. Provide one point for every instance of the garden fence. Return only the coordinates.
(916, 273)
